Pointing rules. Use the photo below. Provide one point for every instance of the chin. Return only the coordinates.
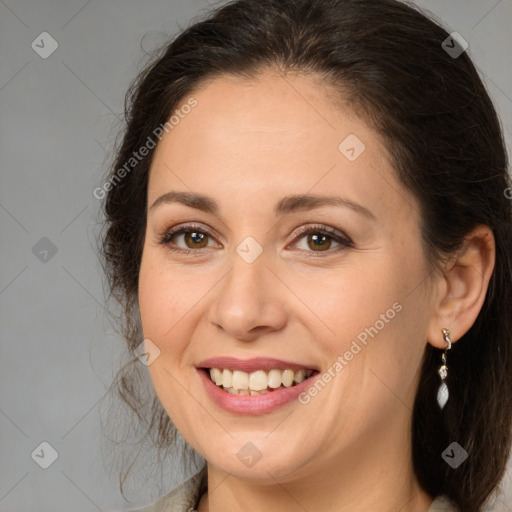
(262, 461)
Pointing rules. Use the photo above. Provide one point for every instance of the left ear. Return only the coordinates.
(463, 287)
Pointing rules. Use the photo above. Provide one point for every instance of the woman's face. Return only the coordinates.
(352, 303)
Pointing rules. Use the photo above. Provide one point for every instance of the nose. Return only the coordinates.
(248, 302)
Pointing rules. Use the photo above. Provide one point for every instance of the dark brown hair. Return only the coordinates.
(446, 144)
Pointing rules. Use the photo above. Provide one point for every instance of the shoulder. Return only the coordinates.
(183, 498)
(442, 504)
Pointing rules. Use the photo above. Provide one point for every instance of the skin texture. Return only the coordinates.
(247, 144)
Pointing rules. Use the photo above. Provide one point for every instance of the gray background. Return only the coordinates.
(58, 120)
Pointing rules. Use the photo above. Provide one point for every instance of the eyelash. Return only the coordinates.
(321, 229)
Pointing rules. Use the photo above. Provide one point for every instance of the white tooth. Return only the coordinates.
(227, 378)
(287, 378)
(243, 391)
(240, 380)
(258, 380)
(216, 376)
(300, 375)
(232, 391)
(274, 378)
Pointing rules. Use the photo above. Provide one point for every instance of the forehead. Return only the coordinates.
(271, 136)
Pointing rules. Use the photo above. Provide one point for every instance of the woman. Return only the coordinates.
(308, 225)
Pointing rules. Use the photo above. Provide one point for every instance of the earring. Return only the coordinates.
(442, 393)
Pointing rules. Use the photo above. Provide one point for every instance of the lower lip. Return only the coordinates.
(253, 405)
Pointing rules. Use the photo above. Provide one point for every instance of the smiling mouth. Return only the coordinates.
(258, 382)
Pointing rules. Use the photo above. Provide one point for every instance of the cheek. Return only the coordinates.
(355, 298)
(163, 300)
(167, 314)
(377, 316)
(171, 304)
(152, 297)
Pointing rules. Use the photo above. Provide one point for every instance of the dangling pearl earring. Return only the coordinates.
(442, 393)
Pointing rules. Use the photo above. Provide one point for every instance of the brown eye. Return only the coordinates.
(192, 237)
(321, 242)
(319, 239)
(196, 239)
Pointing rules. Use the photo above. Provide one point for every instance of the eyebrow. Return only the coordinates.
(288, 204)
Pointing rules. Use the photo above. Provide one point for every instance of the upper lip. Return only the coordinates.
(251, 365)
